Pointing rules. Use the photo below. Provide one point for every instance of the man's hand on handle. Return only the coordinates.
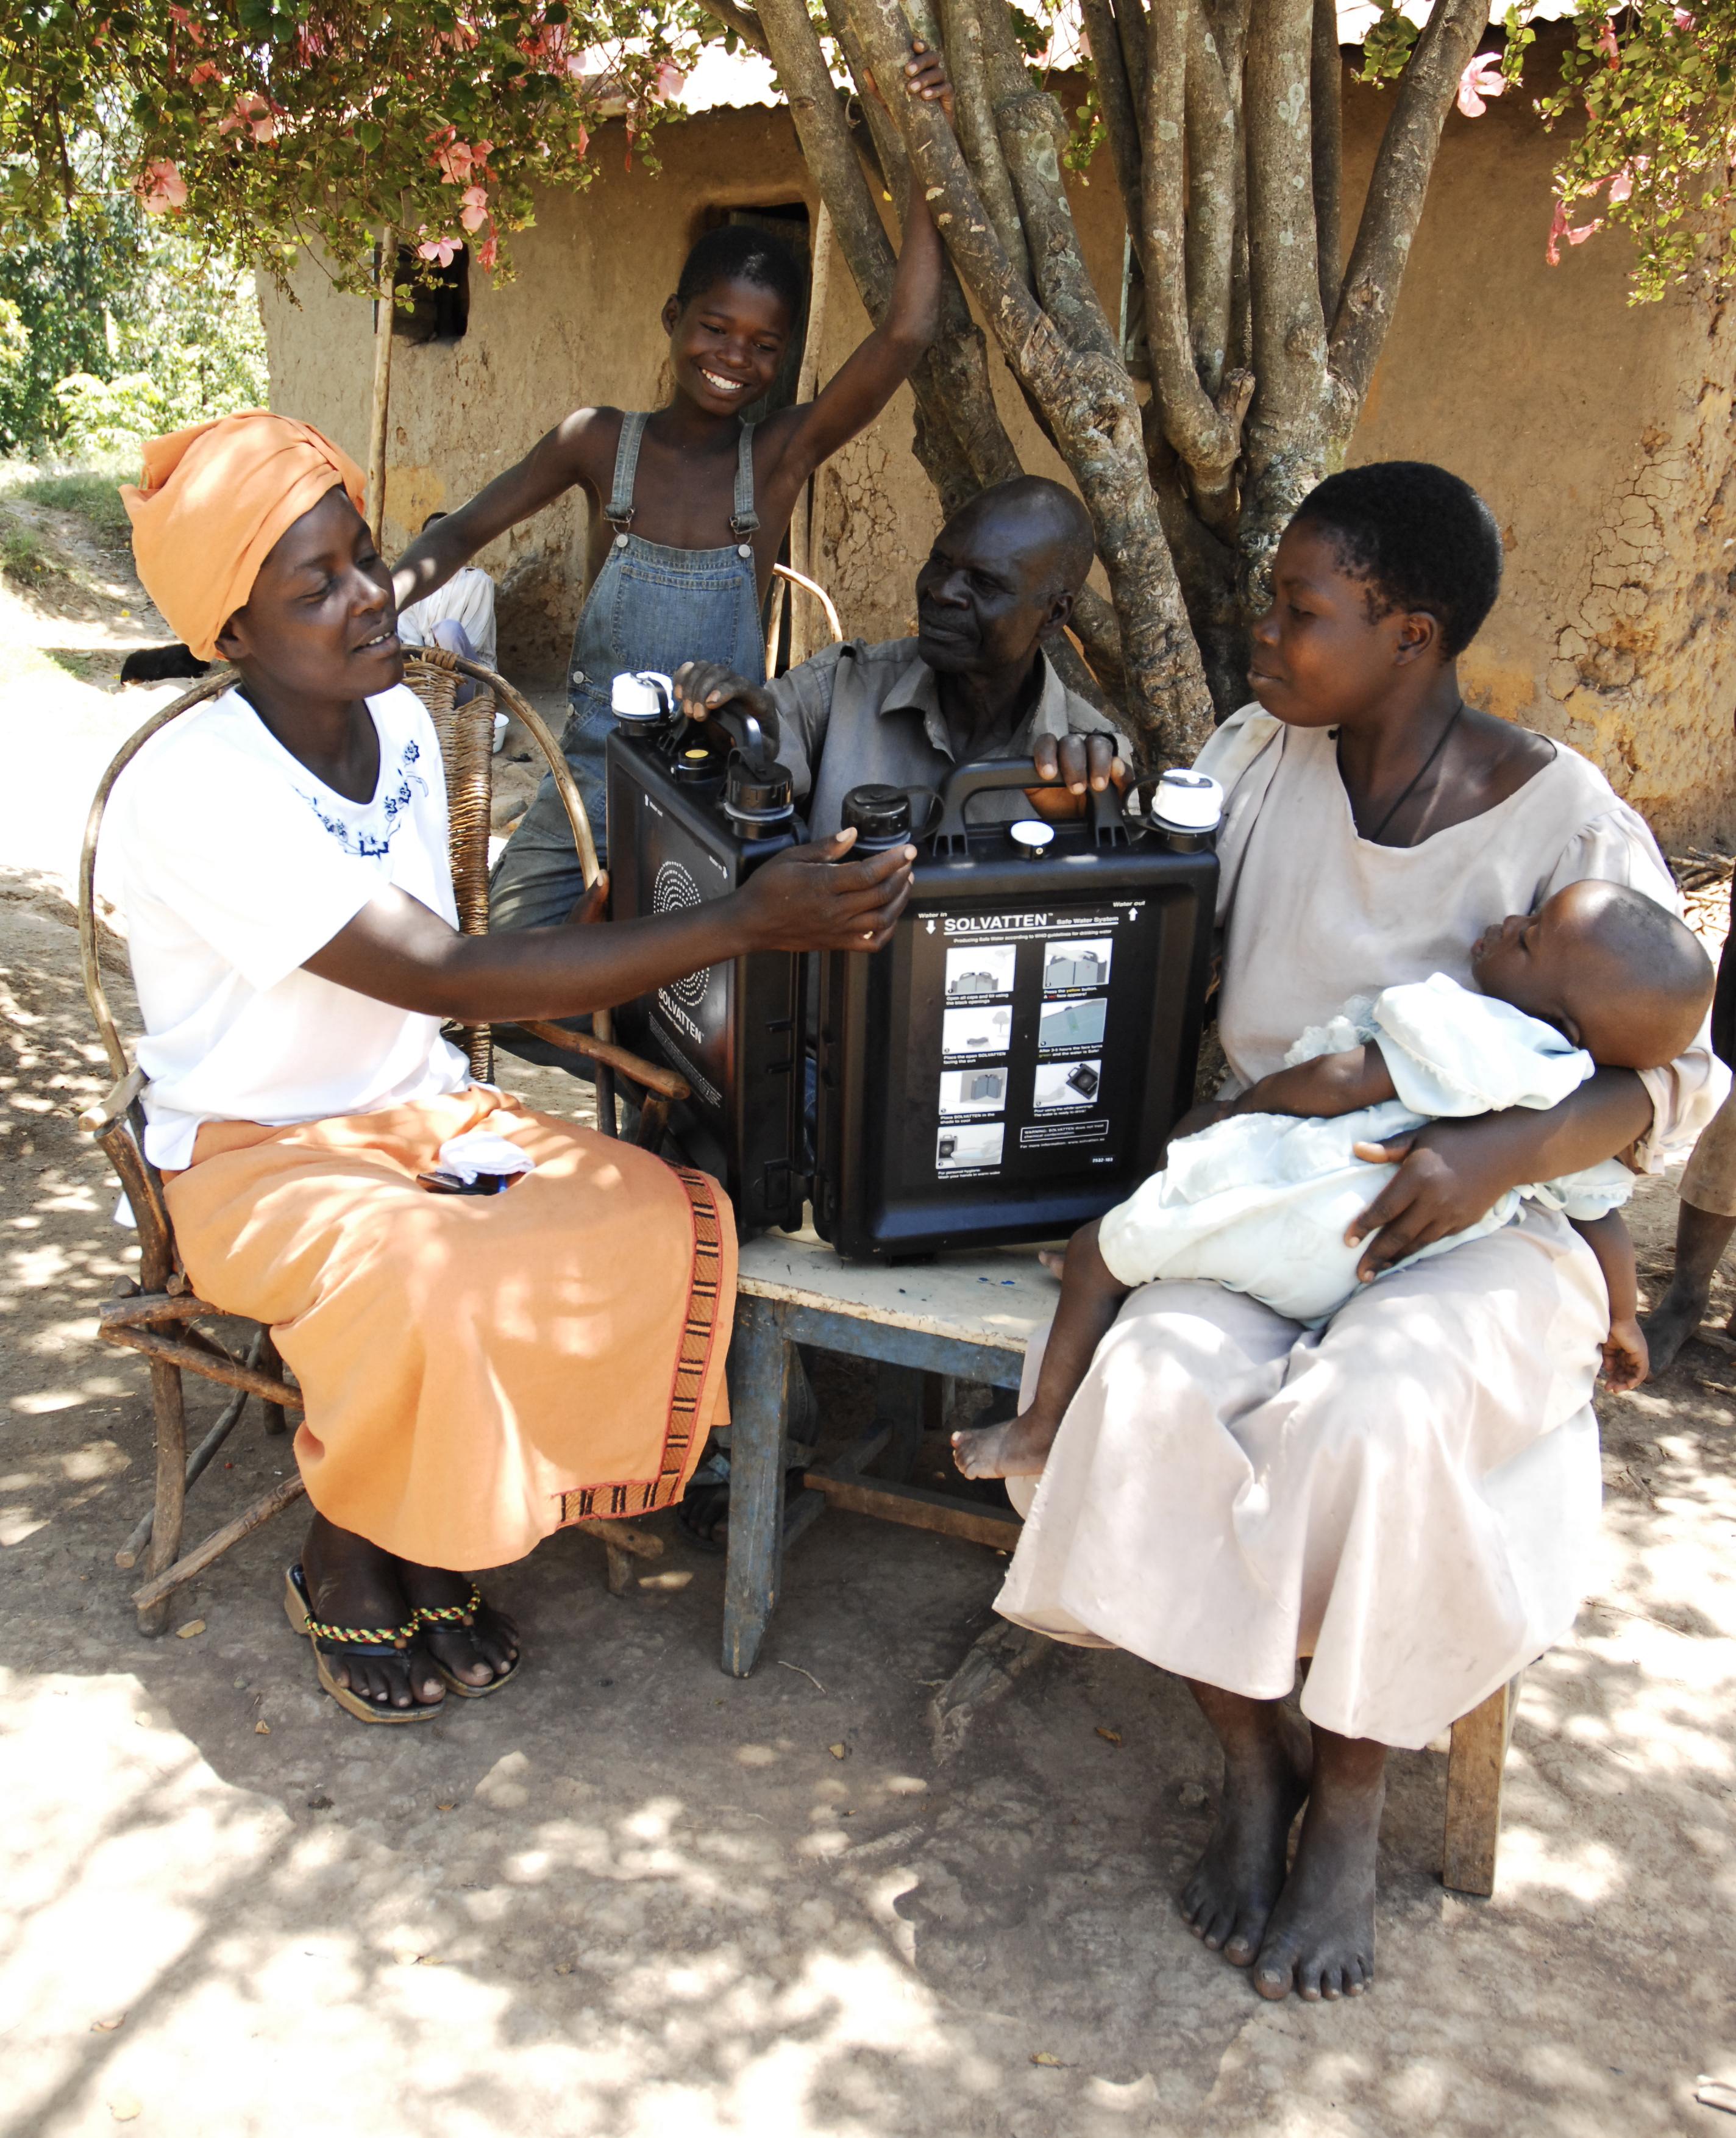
(1069, 766)
(703, 688)
(811, 898)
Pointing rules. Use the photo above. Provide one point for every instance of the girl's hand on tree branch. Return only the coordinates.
(925, 76)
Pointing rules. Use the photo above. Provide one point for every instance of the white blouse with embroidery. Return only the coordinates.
(233, 864)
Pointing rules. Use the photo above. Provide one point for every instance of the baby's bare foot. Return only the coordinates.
(1235, 1884)
(1017, 1449)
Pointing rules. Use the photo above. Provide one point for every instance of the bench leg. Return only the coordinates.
(759, 1384)
(1475, 1766)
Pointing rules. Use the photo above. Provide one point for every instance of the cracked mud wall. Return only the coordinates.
(1600, 432)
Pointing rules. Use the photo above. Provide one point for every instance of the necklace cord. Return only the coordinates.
(1421, 774)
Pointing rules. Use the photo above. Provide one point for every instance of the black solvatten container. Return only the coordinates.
(1008, 1066)
(690, 818)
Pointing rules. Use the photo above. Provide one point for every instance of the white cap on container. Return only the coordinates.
(643, 694)
(1188, 801)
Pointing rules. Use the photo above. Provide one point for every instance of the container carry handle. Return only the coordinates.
(1104, 815)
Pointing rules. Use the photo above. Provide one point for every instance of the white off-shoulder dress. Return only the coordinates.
(1410, 1493)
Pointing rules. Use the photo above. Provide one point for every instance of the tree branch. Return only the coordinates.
(745, 24)
(1394, 205)
(1115, 99)
(1207, 434)
(1286, 448)
(973, 114)
(1326, 111)
(1135, 48)
(1213, 167)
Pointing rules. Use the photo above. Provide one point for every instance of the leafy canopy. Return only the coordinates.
(269, 124)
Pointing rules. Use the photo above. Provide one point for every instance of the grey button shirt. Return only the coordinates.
(858, 713)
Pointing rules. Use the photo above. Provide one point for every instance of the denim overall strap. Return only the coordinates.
(619, 509)
(744, 519)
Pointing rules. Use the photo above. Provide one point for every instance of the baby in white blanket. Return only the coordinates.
(1263, 1198)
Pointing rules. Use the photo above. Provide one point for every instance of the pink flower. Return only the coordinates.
(1560, 228)
(255, 113)
(160, 188)
(1482, 79)
(1684, 20)
(1606, 43)
(581, 139)
(206, 71)
(187, 23)
(473, 211)
(666, 82)
(489, 252)
(445, 249)
(1621, 186)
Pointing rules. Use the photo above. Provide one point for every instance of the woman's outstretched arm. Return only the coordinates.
(1451, 1173)
(810, 899)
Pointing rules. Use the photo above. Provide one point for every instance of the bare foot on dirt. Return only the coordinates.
(353, 1583)
(478, 1653)
(1019, 1448)
(1320, 1940)
(1674, 1319)
(1235, 1884)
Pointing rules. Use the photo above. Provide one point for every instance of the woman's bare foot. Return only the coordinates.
(1320, 1940)
(478, 1653)
(1019, 1448)
(1235, 1884)
(353, 1583)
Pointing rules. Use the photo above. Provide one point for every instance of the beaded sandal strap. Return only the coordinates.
(453, 1614)
(382, 1636)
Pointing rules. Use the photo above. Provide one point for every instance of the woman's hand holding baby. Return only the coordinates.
(1451, 1173)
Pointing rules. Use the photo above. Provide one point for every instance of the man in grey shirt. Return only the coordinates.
(974, 682)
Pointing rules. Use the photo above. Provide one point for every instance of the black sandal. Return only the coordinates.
(400, 1641)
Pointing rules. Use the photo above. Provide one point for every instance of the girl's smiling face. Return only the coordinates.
(726, 344)
(1318, 658)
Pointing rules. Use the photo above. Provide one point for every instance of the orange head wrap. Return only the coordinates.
(215, 499)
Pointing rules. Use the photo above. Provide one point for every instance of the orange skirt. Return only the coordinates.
(478, 1370)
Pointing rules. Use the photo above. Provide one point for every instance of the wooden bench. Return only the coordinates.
(969, 1316)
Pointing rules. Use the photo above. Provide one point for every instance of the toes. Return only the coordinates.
(1242, 1946)
(1275, 1971)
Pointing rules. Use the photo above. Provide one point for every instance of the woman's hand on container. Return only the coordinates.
(815, 898)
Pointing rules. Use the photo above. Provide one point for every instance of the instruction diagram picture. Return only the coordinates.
(1082, 963)
(976, 1031)
(967, 1149)
(1072, 1023)
(980, 969)
(973, 1090)
(1066, 1084)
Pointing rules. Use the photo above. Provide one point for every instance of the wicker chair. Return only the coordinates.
(158, 1314)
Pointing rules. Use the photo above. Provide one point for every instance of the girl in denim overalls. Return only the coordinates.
(666, 585)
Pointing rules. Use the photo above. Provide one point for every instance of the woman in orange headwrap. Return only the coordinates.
(475, 1370)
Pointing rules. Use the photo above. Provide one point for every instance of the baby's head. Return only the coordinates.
(1610, 968)
(731, 318)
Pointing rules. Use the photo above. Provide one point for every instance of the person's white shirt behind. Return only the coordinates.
(467, 598)
(232, 864)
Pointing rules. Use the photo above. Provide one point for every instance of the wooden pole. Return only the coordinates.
(804, 634)
(382, 314)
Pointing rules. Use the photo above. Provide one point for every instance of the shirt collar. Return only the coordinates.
(916, 688)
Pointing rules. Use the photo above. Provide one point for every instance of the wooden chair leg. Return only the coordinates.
(276, 1418)
(168, 1410)
(1474, 1767)
(760, 1386)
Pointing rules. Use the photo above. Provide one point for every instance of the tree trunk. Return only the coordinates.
(1223, 125)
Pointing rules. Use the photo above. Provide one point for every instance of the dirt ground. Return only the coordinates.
(634, 1898)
